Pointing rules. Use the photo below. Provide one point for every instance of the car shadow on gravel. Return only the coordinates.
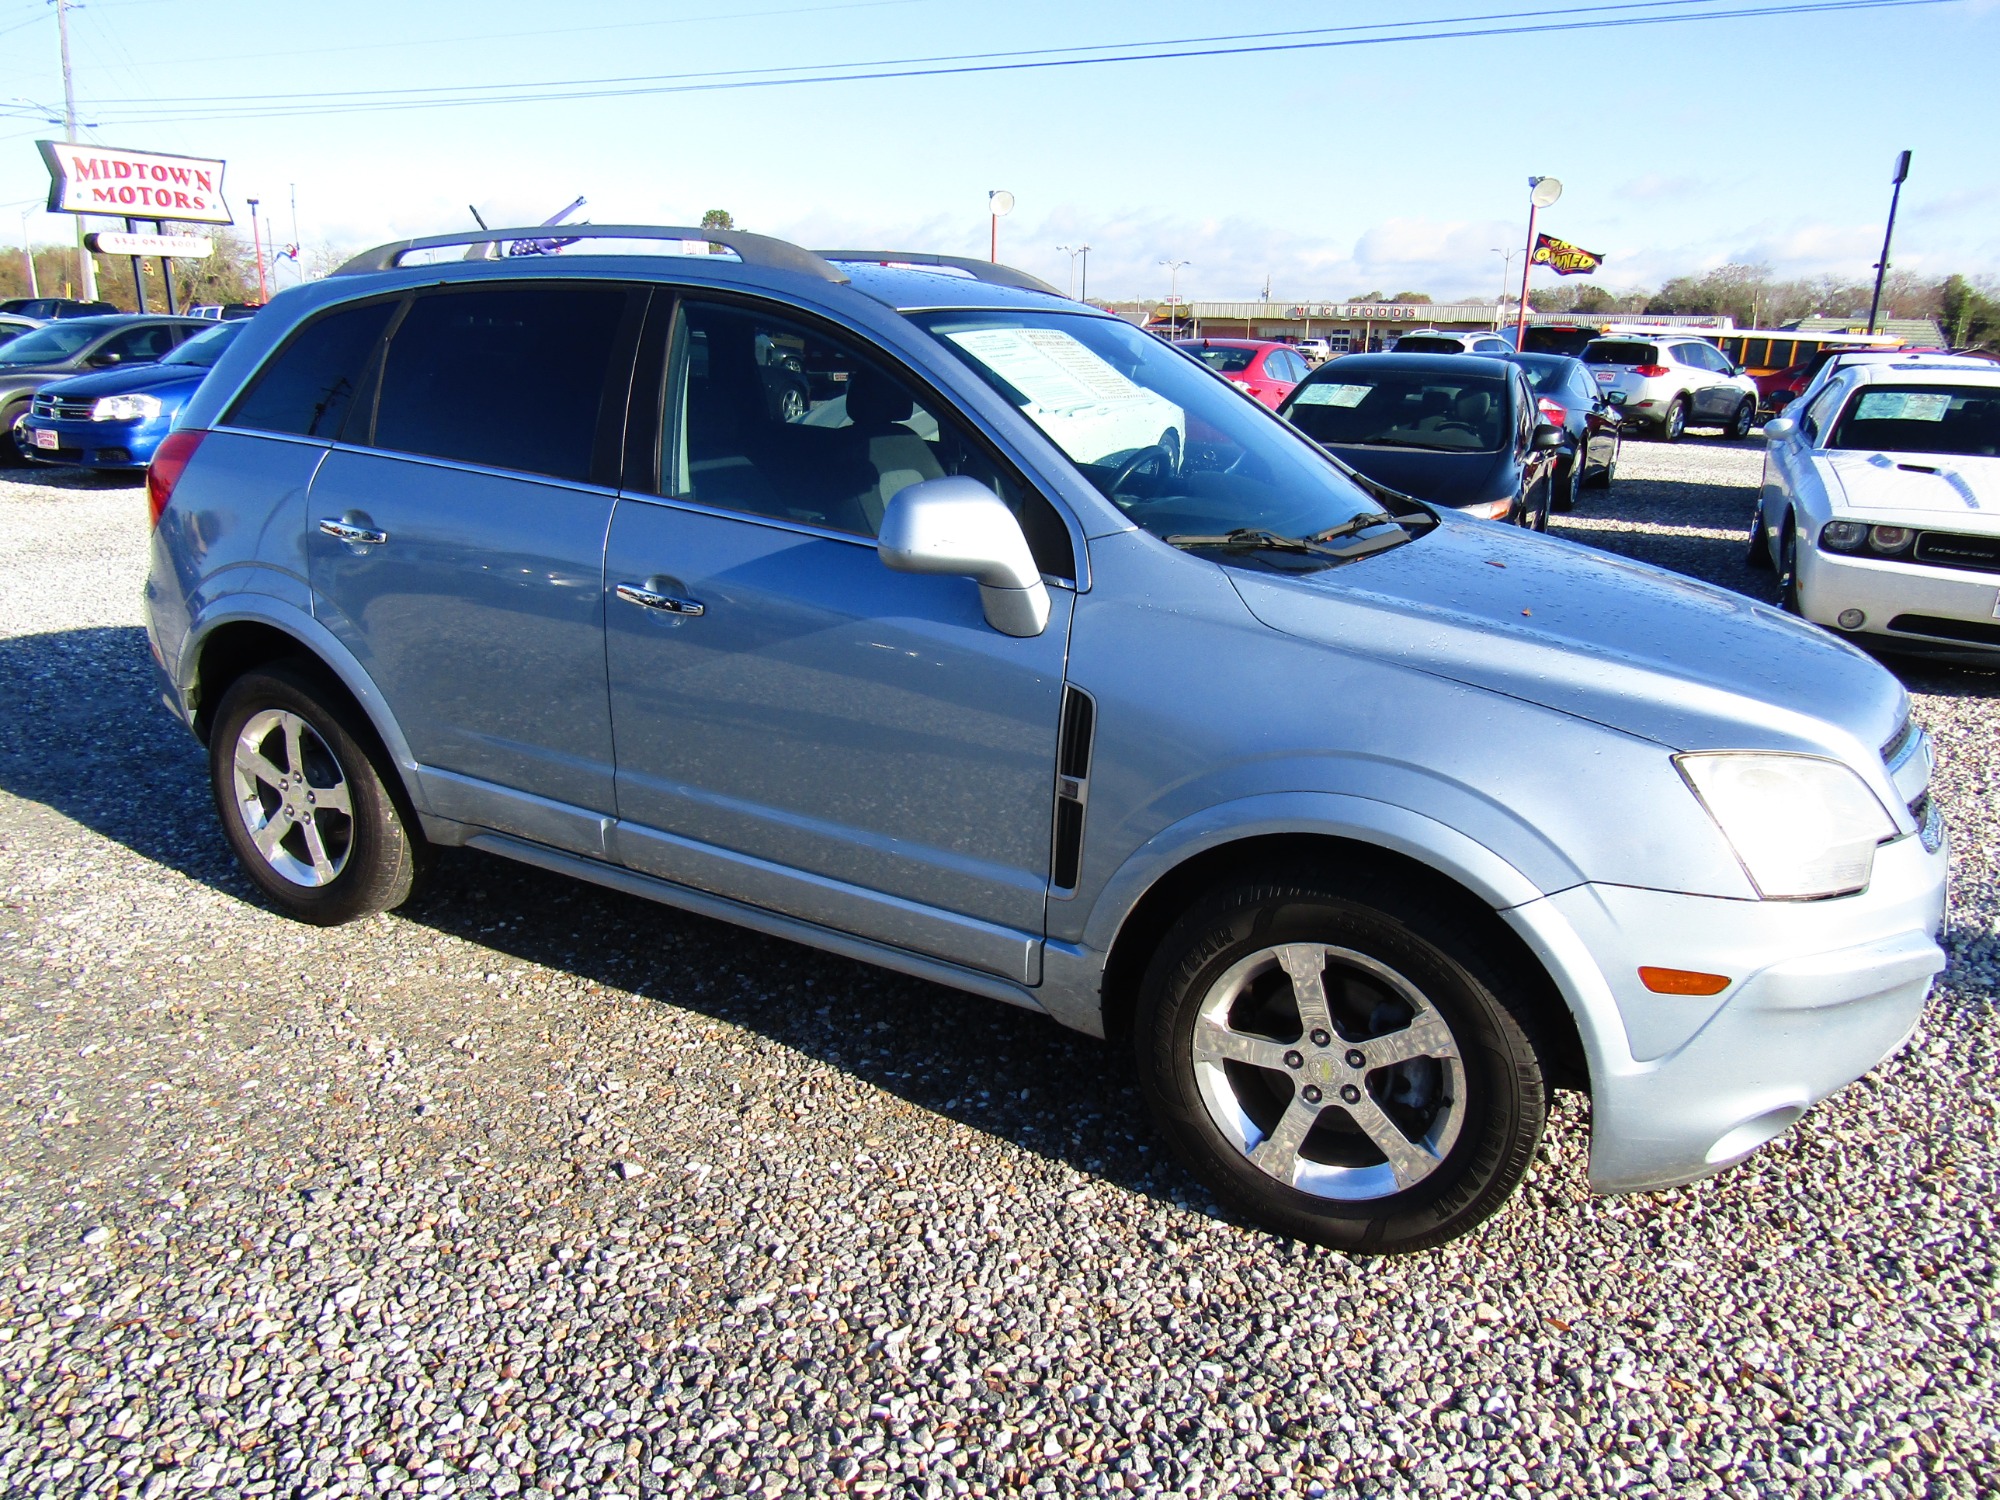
(82, 733)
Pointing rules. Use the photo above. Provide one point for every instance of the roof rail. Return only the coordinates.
(979, 270)
(751, 249)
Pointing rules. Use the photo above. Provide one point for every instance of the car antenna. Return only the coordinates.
(475, 217)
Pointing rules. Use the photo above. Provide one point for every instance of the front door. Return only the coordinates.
(798, 727)
(459, 552)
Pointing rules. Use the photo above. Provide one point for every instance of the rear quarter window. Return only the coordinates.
(307, 388)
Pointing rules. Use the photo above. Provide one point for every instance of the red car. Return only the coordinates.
(1266, 371)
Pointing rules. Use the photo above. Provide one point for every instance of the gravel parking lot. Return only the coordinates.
(534, 1189)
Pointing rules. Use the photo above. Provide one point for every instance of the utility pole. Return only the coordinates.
(28, 253)
(86, 268)
(1882, 265)
(1174, 293)
(257, 249)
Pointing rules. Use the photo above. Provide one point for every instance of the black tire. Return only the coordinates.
(1758, 554)
(1743, 421)
(11, 456)
(1569, 479)
(1788, 568)
(362, 860)
(1531, 510)
(1601, 480)
(1674, 425)
(1501, 1100)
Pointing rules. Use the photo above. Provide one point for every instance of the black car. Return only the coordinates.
(1457, 430)
(55, 307)
(1566, 394)
(77, 346)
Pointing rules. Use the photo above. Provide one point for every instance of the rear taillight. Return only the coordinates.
(1649, 371)
(1551, 412)
(164, 472)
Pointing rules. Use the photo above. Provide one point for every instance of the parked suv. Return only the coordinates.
(1672, 384)
(1424, 818)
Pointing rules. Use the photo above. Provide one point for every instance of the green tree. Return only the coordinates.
(718, 218)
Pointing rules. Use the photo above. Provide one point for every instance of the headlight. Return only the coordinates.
(1890, 538)
(1802, 826)
(1842, 536)
(126, 409)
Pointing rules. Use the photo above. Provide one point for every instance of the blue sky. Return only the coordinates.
(1333, 172)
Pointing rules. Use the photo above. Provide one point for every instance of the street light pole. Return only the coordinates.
(1083, 291)
(257, 249)
(1506, 270)
(1173, 292)
(1542, 191)
(1882, 265)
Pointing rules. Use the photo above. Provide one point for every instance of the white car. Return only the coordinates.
(1847, 359)
(1880, 506)
(1670, 383)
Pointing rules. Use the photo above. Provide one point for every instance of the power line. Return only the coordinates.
(731, 80)
(441, 90)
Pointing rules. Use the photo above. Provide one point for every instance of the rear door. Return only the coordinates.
(456, 544)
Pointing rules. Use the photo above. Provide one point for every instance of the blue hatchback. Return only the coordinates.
(114, 419)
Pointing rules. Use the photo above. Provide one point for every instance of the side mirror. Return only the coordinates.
(1779, 428)
(1548, 436)
(957, 526)
(105, 359)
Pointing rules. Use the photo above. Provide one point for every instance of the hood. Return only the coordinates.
(1945, 488)
(1638, 649)
(1450, 479)
(129, 380)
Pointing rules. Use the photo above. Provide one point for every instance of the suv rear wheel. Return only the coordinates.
(304, 805)
(1744, 420)
(1675, 422)
(1340, 1064)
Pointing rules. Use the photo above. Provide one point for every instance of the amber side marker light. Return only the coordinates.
(1682, 982)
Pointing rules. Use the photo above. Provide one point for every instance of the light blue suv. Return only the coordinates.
(898, 605)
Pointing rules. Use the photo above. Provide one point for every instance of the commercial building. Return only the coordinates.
(1354, 326)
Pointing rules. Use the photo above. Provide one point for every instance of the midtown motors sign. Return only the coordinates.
(134, 184)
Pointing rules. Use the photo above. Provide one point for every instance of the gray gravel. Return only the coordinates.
(533, 1189)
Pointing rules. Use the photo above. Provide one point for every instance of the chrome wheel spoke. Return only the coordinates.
(295, 750)
(316, 846)
(1305, 965)
(332, 799)
(268, 837)
(1425, 1036)
(1410, 1160)
(1278, 1152)
(1217, 1042)
(252, 764)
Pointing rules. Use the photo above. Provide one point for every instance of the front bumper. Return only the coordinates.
(1683, 1086)
(94, 445)
(1965, 604)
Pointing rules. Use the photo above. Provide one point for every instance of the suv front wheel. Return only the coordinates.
(304, 805)
(1340, 1064)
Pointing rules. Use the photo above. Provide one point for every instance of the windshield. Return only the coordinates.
(46, 345)
(1171, 446)
(1222, 361)
(1618, 352)
(1921, 419)
(205, 348)
(1442, 412)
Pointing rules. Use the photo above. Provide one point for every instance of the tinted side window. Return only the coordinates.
(141, 345)
(513, 378)
(308, 387)
(1821, 411)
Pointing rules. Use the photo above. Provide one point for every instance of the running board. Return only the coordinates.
(741, 914)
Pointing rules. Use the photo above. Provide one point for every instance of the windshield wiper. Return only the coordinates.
(1255, 539)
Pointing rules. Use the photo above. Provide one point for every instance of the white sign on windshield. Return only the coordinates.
(1902, 406)
(1089, 408)
(1332, 395)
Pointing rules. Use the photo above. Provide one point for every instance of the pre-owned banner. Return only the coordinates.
(134, 184)
(1564, 258)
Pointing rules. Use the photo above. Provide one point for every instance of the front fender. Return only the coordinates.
(318, 641)
(1329, 814)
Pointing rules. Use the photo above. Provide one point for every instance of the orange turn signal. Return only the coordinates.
(1682, 982)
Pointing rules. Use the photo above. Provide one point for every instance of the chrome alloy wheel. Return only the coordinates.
(292, 796)
(1353, 1095)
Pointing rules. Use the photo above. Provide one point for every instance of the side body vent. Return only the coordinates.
(1079, 724)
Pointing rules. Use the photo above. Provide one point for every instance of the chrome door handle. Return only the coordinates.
(359, 535)
(634, 593)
